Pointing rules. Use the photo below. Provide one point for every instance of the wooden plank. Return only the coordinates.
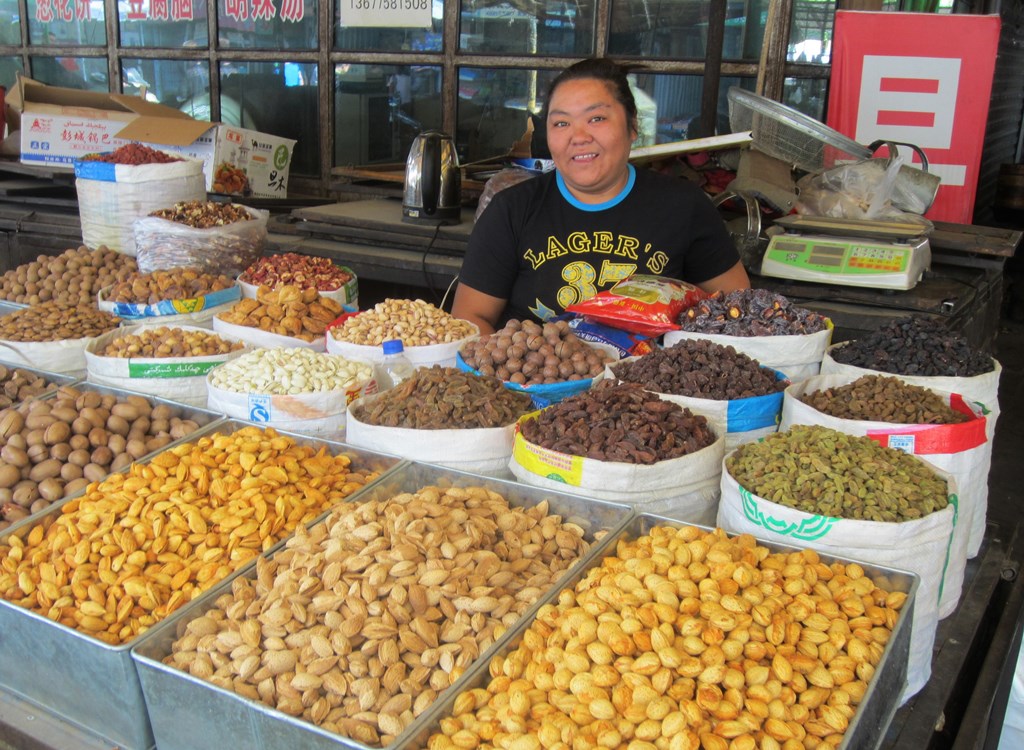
(975, 239)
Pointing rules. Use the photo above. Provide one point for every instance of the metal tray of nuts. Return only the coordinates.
(218, 717)
(202, 417)
(84, 680)
(60, 378)
(866, 729)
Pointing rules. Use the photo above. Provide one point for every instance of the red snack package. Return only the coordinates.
(645, 304)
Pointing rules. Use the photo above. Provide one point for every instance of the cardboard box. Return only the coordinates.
(59, 125)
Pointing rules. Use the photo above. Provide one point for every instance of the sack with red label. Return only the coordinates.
(645, 304)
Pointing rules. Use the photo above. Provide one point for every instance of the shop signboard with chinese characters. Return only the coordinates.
(920, 78)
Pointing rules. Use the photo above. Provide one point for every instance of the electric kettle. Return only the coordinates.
(432, 192)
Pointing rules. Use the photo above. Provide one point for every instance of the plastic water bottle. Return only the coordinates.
(395, 365)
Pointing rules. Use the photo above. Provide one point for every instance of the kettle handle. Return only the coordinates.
(431, 173)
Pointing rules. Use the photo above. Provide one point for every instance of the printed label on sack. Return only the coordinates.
(807, 530)
(260, 407)
(170, 369)
(903, 443)
(559, 467)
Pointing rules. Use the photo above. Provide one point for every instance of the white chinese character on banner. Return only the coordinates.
(263, 9)
(292, 10)
(911, 99)
(237, 9)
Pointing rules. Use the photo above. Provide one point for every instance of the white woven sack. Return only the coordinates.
(739, 421)
(920, 546)
(260, 338)
(108, 207)
(174, 378)
(419, 356)
(795, 356)
(483, 450)
(684, 488)
(161, 313)
(980, 389)
(963, 447)
(66, 356)
(318, 413)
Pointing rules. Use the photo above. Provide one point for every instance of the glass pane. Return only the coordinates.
(668, 107)
(392, 39)
(380, 109)
(724, 84)
(9, 69)
(89, 73)
(266, 24)
(810, 34)
(66, 23)
(664, 28)
(279, 98)
(493, 108)
(528, 27)
(806, 95)
(163, 23)
(10, 22)
(182, 84)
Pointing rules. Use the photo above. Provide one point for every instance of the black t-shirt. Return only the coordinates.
(542, 250)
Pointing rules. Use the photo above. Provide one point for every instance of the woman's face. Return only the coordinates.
(589, 137)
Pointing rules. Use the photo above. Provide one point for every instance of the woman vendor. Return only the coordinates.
(561, 237)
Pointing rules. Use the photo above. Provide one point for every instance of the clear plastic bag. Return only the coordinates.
(861, 190)
(228, 249)
(505, 178)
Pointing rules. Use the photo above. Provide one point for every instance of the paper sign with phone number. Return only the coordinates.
(375, 13)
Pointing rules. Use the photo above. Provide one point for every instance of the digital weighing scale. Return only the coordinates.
(882, 255)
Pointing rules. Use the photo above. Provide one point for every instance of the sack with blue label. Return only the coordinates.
(112, 196)
(197, 311)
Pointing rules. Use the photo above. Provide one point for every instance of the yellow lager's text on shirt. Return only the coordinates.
(598, 242)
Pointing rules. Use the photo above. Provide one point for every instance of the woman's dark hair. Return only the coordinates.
(600, 69)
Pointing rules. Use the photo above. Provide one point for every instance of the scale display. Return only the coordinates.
(847, 261)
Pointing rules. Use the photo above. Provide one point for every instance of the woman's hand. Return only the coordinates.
(478, 308)
(733, 279)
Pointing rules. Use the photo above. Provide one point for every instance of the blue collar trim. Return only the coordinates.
(597, 206)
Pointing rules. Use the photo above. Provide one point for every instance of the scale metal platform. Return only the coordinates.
(849, 252)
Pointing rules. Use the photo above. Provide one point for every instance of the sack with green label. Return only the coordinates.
(481, 450)
(684, 488)
(175, 378)
(958, 449)
(922, 546)
(981, 390)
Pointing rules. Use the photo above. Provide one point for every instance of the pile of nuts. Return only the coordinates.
(288, 372)
(619, 422)
(286, 311)
(133, 154)
(362, 621)
(415, 322)
(878, 398)
(51, 448)
(172, 283)
(169, 342)
(750, 312)
(53, 321)
(19, 385)
(75, 276)
(292, 268)
(203, 214)
(687, 639)
(700, 368)
(445, 398)
(830, 473)
(915, 346)
(528, 353)
(140, 544)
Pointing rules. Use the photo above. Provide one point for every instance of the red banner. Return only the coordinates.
(920, 78)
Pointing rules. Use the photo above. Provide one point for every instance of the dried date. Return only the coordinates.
(619, 422)
(750, 312)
